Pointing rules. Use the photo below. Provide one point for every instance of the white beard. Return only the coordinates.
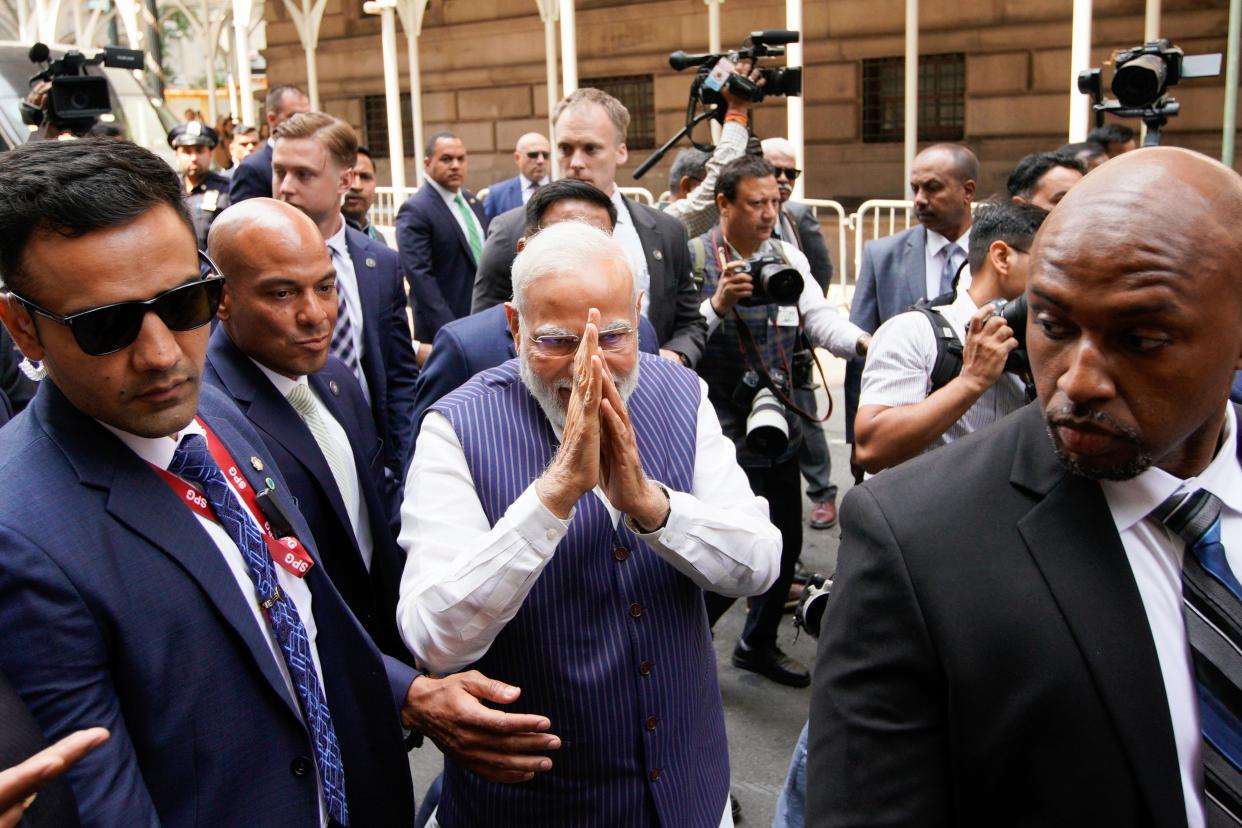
(548, 395)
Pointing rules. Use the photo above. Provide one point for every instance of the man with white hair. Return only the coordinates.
(563, 514)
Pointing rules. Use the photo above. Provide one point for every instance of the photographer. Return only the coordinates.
(918, 391)
(752, 348)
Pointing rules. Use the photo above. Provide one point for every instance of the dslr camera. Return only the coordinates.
(776, 281)
(767, 428)
(716, 70)
(1014, 313)
(76, 98)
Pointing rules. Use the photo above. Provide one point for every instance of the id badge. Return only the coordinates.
(719, 75)
(787, 316)
(211, 201)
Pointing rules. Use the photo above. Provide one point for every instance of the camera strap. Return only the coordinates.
(750, 350)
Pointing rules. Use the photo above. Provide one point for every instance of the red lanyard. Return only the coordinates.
(288, 552)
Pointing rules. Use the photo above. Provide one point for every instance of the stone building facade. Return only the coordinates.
(995, 75)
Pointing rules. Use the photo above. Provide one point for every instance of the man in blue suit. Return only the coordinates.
(313, 168)
(531, 155)
(130, 597)
(483, 340)
(918, 263)
(252, 178)
(440, 232)
(270, 355)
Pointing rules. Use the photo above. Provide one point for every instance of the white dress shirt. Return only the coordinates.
(934, 256)
(528, 187)
(825, 327)
(347, 283)
(350, 490)
(627, 235)
(900, 363)
(464, 579)
(159, 451)
(450, 199)
(1155, 556)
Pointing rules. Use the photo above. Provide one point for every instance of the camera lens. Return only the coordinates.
(1140, 82)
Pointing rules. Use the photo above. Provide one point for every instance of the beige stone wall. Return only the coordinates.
(483, 72)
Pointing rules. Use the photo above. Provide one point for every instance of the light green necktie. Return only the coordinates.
(346, 483)
(476, 243)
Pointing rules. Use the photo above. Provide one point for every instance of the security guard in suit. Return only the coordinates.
(206, 192)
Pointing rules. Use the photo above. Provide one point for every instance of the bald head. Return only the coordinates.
(1136, 314)
(279, 305)
(532, 156)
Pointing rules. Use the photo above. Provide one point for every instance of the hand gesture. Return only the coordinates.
(20, 784)
(620, 468)
(575, 469)
(735, 285)
(502, 747)
(989, 339)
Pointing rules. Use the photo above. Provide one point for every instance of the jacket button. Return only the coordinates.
(620, 553)
(652, 721)
(301, 766)
(636, 610)
(644, 669)
(655, 774)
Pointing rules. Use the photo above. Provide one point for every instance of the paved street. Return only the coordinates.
(763, 718)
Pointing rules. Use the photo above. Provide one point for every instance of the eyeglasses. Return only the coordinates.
(535, 154)
(789, 172)
(108, 329)
(560, 345)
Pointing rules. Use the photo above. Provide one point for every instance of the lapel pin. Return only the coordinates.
(334, 388)
(659, 256)
(271, 484)
(256, 463)
(370, 262)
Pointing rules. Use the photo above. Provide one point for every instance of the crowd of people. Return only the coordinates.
(260, 536)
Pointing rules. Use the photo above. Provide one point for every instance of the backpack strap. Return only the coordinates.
(948, 346)
(698, 260)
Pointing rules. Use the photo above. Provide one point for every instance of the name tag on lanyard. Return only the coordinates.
(288, 552)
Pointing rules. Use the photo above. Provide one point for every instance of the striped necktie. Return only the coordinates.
(346, 477)
(193, 462)
(343, 346)
(1212, 605)
(472, 232)
(952, 261)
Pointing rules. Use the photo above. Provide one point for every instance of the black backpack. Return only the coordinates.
(948, 344)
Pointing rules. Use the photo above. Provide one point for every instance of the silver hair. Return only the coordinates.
(565, 247)
(782, 145)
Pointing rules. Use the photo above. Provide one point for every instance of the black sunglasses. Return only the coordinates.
(789, 172)
(108, 329)
(538, 154)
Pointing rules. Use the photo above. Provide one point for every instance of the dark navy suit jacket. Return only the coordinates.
(118, 610)
(503, 196)
(475, 343)
(387, 350)
(20, 738)
(893, 276)
(371, 595)
(1236, 393)
(436, 259)
(252, 178)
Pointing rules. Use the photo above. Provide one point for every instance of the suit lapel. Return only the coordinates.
(653, 251)
(140, 501)
(915, 271)
(447, 216)
(1071, 536)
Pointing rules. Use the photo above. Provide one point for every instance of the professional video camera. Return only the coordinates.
(1141, 80)
(715, 70)
(76, 98)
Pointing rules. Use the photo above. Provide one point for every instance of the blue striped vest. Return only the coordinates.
(611, 644)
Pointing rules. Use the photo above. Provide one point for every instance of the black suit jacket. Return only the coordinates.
(372, 595)
(253, 176)
(20, 738)
(436, 259)
(387, 352)
(674, 298)
(985, 658)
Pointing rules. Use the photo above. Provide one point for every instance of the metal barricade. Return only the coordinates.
(640, 194)
(875, 219)
(388, 201)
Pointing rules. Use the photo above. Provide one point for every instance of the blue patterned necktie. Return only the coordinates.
(1212, 605)
(952, 261)
(193, 462)
(342, 345)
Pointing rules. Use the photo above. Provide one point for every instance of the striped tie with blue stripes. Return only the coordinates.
(1212, 605)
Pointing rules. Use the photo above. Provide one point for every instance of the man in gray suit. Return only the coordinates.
(590, 138)
(919, 263)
